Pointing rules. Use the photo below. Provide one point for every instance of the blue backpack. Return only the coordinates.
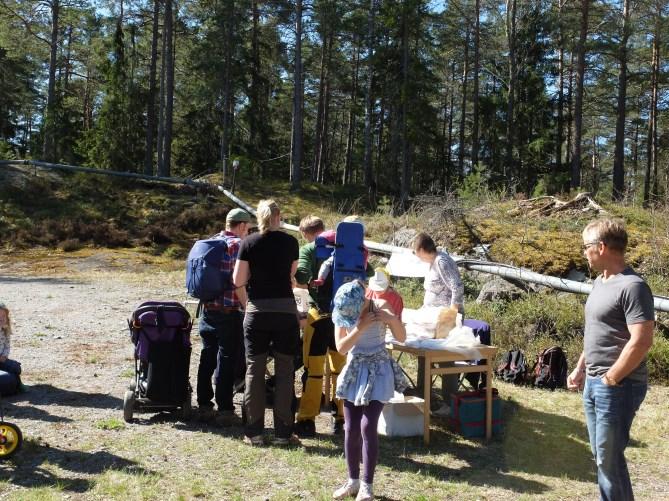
(350, 260)
(204, 278)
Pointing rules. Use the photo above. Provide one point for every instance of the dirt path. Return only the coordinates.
(70, 335)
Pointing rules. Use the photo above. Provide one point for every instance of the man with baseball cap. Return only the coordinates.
(222, 333)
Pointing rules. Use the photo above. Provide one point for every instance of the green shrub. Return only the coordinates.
(175, 252)
(411, 290)
(534, 322)
(70, 245)
(658, 360)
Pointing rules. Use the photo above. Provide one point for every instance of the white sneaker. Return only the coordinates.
(443, 412)
(350, 488)
(365, 493)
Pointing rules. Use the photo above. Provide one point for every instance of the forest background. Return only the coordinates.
(399, 97)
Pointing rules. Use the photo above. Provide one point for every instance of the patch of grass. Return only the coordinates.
(110, 424)
(36, 494)
(128, 484)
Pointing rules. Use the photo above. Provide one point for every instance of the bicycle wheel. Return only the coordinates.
(11, 439)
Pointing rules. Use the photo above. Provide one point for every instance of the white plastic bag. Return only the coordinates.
(462, 336)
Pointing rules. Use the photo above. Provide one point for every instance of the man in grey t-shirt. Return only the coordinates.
(619, 320)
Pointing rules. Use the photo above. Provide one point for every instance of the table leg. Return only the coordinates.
(488, 401)
(427, 393)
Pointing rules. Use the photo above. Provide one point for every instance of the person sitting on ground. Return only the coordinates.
(266, 262)
(10, 370)
(369, 380)
(443, 287)
(222, 333)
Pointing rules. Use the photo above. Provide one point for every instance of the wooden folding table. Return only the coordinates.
(433, 357)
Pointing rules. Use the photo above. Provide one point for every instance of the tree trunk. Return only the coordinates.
(151, 105)
(559, 136)
(160, 150)
(463, 109)
(256, 114)
(50, 111)
(298, 97)
(635, 157)
(475, 93)
(316, 173)
(509, 170)
(169, 89)
(449, 143)
(228, 16)
(441, 155)
(382, 128)
(87, 105)
(324, 142)
(619, 153)
(67, 64)
(649, 193)
(595, 166)
(406, 165)
(350, 136)
(570, 110)
(578, 101)
(367, 161)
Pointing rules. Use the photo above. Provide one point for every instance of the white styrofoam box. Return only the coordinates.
(402, 417)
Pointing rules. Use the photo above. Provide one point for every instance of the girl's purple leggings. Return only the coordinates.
(361, 437)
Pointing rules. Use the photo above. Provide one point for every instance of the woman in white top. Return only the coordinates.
(443, 287)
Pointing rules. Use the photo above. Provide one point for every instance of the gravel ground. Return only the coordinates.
(69, 317)
(71, 337)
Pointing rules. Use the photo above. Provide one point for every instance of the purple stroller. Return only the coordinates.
(160, 331)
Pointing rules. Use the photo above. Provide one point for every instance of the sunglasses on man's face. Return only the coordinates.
(586, 245)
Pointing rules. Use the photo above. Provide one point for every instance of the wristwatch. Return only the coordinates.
(609, 381)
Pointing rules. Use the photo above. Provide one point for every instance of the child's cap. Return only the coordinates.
(348, 303)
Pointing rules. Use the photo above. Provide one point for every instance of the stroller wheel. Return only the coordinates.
(128, 405)
(11, 439)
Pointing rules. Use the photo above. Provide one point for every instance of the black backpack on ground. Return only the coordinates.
(514, 367)
(550, 369)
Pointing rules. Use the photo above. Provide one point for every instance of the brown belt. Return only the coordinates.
(220, 307)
